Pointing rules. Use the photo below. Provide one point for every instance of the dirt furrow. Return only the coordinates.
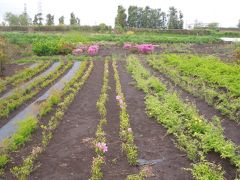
(116, 166)
(231, 129)
(151, 138)
(69, 154)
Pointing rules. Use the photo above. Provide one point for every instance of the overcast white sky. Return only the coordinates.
(93, 12)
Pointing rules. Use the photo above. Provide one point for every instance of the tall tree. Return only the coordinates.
(17, 20)
(132, 20)
(50, 20)
(181, 22)
(11, 19)
(61, 20)
(121, 18)
(73, 20)
(78, 21)
(38, 19)
(172, 18)
(175, 19)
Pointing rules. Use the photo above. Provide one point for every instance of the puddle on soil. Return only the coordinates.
(33, 109)
(142, 162)
(48, 71)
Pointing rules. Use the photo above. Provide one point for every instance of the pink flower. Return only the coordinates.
(120, 101)
(118, 97)
(129, 129)
(102, 146)
(93, 50)
(121, 106)
(145, 48)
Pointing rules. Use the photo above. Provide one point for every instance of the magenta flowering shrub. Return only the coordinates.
(145, 48)
(93, 50)
(141, 48)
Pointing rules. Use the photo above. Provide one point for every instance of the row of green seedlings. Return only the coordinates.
(100, 139)
(63, 101)
(24, 75)
(126, 133)
(196, 136)
(20, 96)
(206, 77)
(29, 125)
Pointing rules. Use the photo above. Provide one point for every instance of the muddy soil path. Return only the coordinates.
(231, 128)
(117, 166)
(69, 154)
(151, 139)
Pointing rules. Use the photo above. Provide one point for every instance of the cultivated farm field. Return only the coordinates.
(120, 106)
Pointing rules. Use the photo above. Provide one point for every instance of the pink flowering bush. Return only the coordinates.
(93, 50)
(145, 48)
(141, 48)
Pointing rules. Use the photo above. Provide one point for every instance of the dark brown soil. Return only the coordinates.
(69, 154)
(151, 138)
(11, 69)
(116, 166)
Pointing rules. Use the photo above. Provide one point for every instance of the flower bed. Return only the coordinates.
(91, 50)
(140, 48)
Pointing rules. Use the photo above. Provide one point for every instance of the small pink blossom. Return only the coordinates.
(129, 129)
(121, 106)
(102, 146)
(118, 97)
(120, 101)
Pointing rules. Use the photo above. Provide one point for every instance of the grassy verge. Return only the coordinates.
(206, 77)
(20, 96)
(194, 134)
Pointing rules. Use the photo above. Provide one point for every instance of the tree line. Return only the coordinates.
(24, 19)
(147, 17)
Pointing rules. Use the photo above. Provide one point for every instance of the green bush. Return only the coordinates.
(52, 47)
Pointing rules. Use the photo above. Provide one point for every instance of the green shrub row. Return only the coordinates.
(125, 132)
(194, 134)
(68, 95)
(52, 47)
(99, 160)
(206, 77)
(20, 96)
(24, 75)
